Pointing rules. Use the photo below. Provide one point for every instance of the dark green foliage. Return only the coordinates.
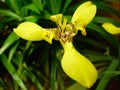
(37, 64)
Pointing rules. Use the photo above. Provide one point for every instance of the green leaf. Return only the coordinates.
(95, 56)
(31, 19)
(90, 41)
(107, 75)
(34, 79)
(11, 69)
(72, 9)
(8, 42)
(66, 3)
(96, 28)
(31, 7)
(101, 20)
(38, 73)
(12, 51)
(38, 4)
(53, 72)
(54, 6)
(76, 86)
(105, 7)
(15, 4)
(10, 14)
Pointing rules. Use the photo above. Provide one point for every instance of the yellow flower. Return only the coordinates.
(33, 32)
(73, 63)
(77, 66)
(82, 16)
(110, 28)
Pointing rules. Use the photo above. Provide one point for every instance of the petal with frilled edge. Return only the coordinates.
(110, 28)
(83, 15)
(33, 32)
(77, 66)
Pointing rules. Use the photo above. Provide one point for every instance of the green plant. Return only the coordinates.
(35, 65)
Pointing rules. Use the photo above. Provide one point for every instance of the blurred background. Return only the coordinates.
(26, 65)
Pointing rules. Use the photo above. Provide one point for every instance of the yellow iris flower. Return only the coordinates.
(73, 63)
(110, 28)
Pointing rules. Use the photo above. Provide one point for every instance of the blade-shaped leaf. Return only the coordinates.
(11, 69)
(54, 6)
(99, 19)
(31, 7)
(34, 79)
(8, 42)
(12, 51)
(10, 14)
(105, 7)
(67, 2)
(76, 86)
(38, 4)
(104, 34)
(15, 5)
(107, 75)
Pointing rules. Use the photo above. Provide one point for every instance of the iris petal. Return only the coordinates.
(56, 18)
(110, 28)
(77, 66)
(83, 15)
(33, 32)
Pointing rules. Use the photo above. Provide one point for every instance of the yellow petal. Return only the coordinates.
(83, 15)
(77, 66)
(56, 18)
(110, 28)
(33, 32)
